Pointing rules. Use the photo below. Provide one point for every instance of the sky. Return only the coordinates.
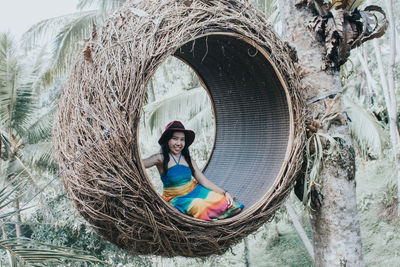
(17, 16)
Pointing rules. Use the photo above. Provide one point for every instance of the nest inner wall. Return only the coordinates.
(251, 113)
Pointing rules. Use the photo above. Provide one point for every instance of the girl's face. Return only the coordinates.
(176, 143)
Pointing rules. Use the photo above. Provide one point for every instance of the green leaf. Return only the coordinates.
(40, 126)
(364, 127)
(6, 193)
(28, 251)
(69, 39)
(19, 88)
(178, 105)
(40, 155)
(103, 5)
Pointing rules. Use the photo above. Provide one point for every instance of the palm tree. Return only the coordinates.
(25, 149)
(25, 123)
(69, 31)
(24, 126)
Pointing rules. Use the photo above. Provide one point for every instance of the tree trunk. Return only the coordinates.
(372, 85)
(246, 253)
(335, 224)
(382, 74)
(391, 103)
(18, 229)
(299, 228)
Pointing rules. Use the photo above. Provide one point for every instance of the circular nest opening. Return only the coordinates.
(259, 137)
(252, 110)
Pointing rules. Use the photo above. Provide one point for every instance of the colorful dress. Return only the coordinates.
(191, 198)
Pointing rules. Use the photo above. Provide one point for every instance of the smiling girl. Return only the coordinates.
(184, 186)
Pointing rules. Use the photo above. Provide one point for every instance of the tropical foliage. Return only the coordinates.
(70, 31)
(24, 123)
(23, 251)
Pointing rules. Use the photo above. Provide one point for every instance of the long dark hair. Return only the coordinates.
(165, 151)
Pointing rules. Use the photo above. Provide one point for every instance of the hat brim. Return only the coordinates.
(189, 135)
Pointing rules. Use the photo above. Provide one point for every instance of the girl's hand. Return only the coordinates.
(229, 198)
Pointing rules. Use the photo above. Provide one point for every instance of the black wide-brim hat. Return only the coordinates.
(177, 126)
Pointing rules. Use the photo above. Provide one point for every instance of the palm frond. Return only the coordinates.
(106, 6)
(9, 70)
(40, 155)
(6, 193)
(14, 169)
(46, 28)
(70, 38)
(268, 7)
(82, 4)
(365, 128)
(103, 5)
(7, 47)
(17, 97)
(181, 105)
(47, 162)
(25, 102)
(46, 78)
(39, 128)
(40, 70)
(12, 213)
(203, 119)
(7, 197)
(32, 252)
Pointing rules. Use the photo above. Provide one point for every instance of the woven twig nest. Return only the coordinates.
(259, 135)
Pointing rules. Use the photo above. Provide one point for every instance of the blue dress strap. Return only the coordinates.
(179, 159)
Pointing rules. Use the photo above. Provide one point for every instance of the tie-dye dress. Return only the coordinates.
(191, 198)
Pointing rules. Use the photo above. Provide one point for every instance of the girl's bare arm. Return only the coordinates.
(153, 160)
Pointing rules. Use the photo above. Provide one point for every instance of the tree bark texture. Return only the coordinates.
(18, 229)
(335, 224)
(391, 102)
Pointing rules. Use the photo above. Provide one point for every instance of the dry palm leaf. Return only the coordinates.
(342, 26)
(88, 54)
(370, 19)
